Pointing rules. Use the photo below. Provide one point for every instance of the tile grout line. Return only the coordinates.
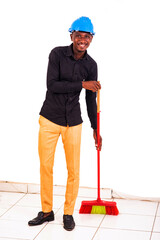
(13, 205)
(154, 221)
(46, 224)
(14, 238)
(98, 228)
(125, 229)
(40, 231)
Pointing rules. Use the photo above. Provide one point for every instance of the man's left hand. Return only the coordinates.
(96, 142)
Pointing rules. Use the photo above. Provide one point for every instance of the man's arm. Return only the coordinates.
(91, 88)
(91, 85)
(92, 113)
(53, 83)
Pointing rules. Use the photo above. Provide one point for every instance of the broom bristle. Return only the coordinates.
(112, 210)
(99, 207)
(98, 210)
(85, 209)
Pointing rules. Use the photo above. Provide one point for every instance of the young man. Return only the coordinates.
(70, 69)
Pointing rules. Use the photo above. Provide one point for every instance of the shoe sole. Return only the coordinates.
(68, 229)
(48, 220)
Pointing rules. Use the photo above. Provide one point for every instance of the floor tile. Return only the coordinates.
(53, 231)
(135, 220)
(21, 213)
(58, 201)
(33, 188)
(155, 236)
(34, 200)
(8, 199)
(86, 220)
(128, 222)
(18, 229)
(89, 220)
(137, 207)
(13, 187)
(157, 225)
(58, 217)
(92, 192)
(30, 200)
(11, 238)
(111, 234)
(4, 209)
(59, 190)
(79, 202)
(85, 192)
(158, 212)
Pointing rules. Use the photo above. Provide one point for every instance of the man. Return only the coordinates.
(70, 69)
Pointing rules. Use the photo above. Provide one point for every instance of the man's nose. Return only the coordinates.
(82, 38)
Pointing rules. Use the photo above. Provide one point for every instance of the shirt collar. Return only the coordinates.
(69, 52)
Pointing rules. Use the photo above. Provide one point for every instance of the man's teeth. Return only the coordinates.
(82, 45)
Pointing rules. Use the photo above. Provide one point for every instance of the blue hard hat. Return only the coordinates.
(82, 24)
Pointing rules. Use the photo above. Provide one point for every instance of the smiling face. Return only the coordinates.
(81, 41)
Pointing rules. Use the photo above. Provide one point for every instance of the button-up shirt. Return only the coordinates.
(64, 84)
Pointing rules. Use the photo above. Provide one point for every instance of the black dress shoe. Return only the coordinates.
(68, 222)
(41, 219)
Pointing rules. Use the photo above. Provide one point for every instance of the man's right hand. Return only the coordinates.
(93, 86)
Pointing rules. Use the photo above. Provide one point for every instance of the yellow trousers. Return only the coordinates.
(71, 137)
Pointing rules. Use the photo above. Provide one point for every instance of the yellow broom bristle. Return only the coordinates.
(98, 210)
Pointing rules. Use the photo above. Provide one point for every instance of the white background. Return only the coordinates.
(127, 49)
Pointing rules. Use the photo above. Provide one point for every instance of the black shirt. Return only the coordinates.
(64, 84)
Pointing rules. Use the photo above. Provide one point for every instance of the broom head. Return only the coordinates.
(99, 207)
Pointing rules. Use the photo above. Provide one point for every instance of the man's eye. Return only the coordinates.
(85, 37)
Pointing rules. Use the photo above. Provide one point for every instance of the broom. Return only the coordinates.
(99, 206)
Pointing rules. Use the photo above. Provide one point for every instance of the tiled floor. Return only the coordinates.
(138, 220)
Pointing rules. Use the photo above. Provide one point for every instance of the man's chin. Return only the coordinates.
(81, 49)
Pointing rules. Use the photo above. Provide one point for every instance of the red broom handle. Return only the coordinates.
(98, 143)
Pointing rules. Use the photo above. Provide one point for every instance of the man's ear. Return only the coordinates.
(71, 35)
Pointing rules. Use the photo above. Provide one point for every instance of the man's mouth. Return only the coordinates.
(82, 45)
